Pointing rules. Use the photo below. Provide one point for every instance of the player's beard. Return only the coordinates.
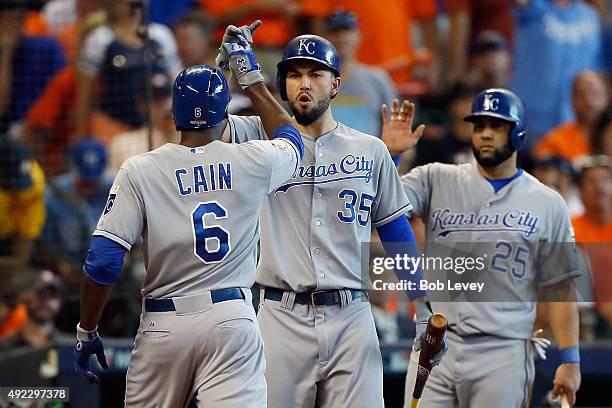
(499, 156)
(306, 118)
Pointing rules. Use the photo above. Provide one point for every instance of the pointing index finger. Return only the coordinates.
(254, 26)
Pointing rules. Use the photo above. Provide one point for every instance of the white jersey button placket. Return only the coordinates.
(318, 215)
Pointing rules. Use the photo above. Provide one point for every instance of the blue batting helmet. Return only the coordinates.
(306, 47)
(502, 104)
(199, 98)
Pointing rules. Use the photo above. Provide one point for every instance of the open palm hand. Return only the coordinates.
(397, 131)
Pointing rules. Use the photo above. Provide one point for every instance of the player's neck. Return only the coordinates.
(196, 138)
(504, 170)
(324, 124)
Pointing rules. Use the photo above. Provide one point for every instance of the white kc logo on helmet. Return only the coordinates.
(491, 103)
(306, 45)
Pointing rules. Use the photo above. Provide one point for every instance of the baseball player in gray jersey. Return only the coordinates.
(196, 204)
(319, 335)
(490, 362)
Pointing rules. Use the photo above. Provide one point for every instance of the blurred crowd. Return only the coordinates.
(85, 84)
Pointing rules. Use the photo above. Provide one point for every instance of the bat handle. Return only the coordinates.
(564, 402)
(414, 403)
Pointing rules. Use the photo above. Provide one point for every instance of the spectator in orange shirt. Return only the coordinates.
(51, 120)
(27, 63)
(278, 26)
(601, 141)
(595, 226)
(364, 88)
(13, 313)
(386, 34)
(42, 300)
(276, 16)
(12, 317)
(571, 140)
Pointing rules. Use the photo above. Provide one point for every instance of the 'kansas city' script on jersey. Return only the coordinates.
(355, 167)
(521, 226)
(445, 221)
(313, 226)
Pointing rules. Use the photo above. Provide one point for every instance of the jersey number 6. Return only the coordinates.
(203, 234)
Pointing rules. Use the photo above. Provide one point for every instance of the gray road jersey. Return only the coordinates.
(313, 225)
(197, 210)
(458, 204)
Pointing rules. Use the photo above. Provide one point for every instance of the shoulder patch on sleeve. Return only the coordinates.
(111, 199)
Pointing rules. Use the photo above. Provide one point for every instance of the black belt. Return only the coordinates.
(167, 305)
(315, 297)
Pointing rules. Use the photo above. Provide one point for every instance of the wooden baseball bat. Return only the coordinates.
(564, 402)
(431, 344)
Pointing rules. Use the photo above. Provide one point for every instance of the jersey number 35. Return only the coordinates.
(350, 214)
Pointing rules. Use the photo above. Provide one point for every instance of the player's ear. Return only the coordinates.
(335, 85)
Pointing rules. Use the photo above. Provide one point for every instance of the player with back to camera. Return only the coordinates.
(319, 335)
(196, 204)
(490, 359)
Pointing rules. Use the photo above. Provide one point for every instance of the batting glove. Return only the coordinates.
(540, 344)
(231, 35)
(88, 343)
(422, 315)
(242, 63)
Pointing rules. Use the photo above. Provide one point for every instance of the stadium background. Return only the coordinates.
(81, 90)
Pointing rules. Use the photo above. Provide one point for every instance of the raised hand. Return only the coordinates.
(243, 64)
(397, 132)
(231, 35)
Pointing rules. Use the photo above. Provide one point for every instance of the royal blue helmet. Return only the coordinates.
(502, 104)
(306, 47)
(200, 97)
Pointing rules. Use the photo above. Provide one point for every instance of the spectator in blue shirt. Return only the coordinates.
(554, 41)
(74, 203)
(607, 43)
(26, 63)
(169, 12)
